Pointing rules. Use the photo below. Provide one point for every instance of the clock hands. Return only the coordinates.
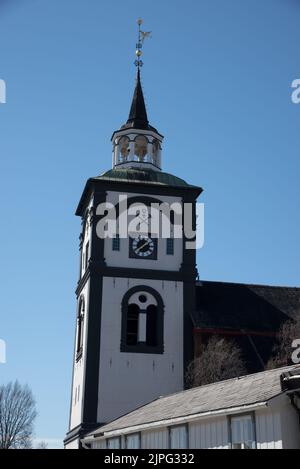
(142, 246)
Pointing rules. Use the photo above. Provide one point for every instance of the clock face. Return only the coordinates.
(143, 247)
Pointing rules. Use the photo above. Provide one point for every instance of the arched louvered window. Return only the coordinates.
(142, 321)
(124, 150)
(140, 148)
(151, 326)
(132, 324)
(80, 327)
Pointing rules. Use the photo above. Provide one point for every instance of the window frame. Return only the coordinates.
(253, 421)
(181, 425)
(80, 328)
(116, 243)
(117, 438)
(170, 249)
(143, 347)
(138, 434)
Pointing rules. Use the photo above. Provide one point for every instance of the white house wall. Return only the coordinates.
(290, 426)
(99, 444)
(268, 429)
(156, 439)
(209, 434)
(128, 380)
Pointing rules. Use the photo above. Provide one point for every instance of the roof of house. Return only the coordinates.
(244, 307)
(225, 395)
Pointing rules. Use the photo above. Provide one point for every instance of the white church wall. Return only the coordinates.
(86, 240)
(78, 365)
(78, 374)
(121, 258)
(128, 380)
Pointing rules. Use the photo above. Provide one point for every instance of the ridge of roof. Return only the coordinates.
(250, 285)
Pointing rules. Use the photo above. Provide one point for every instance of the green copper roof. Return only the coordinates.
(143, 175)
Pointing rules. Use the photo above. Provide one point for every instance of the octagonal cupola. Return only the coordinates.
(137, 144)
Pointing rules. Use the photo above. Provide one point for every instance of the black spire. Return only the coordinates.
(138, 115)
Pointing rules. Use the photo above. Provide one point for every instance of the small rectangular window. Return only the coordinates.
(113, 443)
(179, 437)
(170, 246)
(133, 441)
(116, 243)
(243, 432)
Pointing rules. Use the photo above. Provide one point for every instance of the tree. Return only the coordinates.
(41, 445)
(220, 359)
(283, 350)
(17, 414)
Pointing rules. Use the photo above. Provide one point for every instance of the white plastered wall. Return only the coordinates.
(128, 380)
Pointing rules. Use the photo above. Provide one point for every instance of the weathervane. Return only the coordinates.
(142, 35)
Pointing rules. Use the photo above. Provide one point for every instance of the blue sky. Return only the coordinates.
(217, 83)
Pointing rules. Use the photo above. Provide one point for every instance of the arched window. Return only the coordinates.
(142, 321)
(151, 326)
(132, 324)
(156, 152)
(123, 149)
(80, 328)
(140, 147)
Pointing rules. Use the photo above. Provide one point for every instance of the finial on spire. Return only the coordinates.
(142, 35)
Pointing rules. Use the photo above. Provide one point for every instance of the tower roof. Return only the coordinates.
(138, 114)
(138, 118)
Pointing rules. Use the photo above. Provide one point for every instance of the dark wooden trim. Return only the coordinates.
(99, 185)
(128, 272)
(80, 431)
(92, 354)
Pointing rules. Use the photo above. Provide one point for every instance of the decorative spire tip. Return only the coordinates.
(142, 35)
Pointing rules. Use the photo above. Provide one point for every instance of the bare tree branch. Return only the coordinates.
(282, 353)
(220, 359)
(17, 414)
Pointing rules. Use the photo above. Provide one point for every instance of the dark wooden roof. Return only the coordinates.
(249, 314)
(237, 306)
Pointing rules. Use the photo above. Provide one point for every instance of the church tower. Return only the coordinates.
(135, 294)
